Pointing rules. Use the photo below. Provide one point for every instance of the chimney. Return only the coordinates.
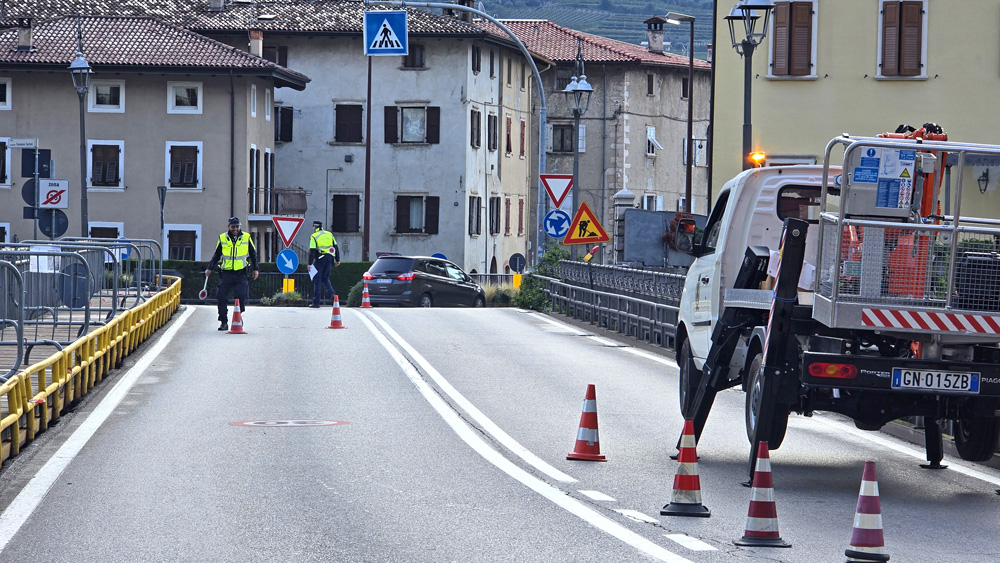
(709, 57)
(216, 5)
(24, 35)
(466, 16)
(257, 42)
(654, 34)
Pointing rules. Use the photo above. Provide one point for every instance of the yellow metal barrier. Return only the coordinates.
(44, 391)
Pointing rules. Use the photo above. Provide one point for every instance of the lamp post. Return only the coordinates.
(675, 19)
(577, 94)
(81, 71)
(748, 12)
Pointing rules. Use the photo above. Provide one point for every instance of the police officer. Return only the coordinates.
(323, 252)
(239, 257)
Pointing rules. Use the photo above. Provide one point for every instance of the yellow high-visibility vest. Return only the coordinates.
(235, 256)
(322, 241)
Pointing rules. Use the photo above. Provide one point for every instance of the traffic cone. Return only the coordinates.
(588, 446)
(762, 517)
(366, 302)
(686, 498)
(335, 317)
(867, 541)
(236, 327)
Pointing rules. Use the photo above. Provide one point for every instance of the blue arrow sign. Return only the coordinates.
(557, 223)
(385, 33)
(287, 261)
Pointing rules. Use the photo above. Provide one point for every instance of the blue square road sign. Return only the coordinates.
(385, 33)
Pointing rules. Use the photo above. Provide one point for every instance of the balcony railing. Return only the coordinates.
(277, 201)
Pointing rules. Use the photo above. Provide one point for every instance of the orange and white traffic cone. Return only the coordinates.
(335, 321)
(236, 327)
(366, 302)
(762, 517)
(588, 446)
(686, 498)
(867, 540)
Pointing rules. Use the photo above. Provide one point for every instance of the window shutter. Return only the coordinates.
(799, 60)
(582, 138)
(402, 214)
(285, 121)
(910, 31)
(433, 125)
(548, 137)
(432, 205)
(353, 214)
(391, 130)
(890, 38)
(780, 39)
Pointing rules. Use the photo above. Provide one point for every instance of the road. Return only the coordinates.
(446, 439)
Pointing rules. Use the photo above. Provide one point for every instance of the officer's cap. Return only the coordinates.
(234, 221)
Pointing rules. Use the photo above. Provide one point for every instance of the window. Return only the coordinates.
(649, 84)
(477, 59)
(524, 132)
(792, 46)
(506, 216)
(106, 96)
(563, 77)
(562, 138)
(276, 54)
(184, 97)
(417, 214)
(346, 213)
(509, 147)
(253, 100)
(902, 35)
(4, 93)
(493, 132)
(651, 143)
(520, 217)
(475, 215)
(283, 124)
(523, 82)
(181, 245)
(184, 165)
(4, 164)
(420, 124)
(509, 59)
(267, 104)
(493, 70)
(416, 57)
(649, 202)
(684, 88)
(348, 126)
(495, 215)
(475, 129)
(105, 163)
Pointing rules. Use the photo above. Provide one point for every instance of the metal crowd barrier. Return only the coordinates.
(11, 319)
(148, 252)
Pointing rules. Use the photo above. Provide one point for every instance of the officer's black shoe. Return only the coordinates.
(314, 306)
(224, 326)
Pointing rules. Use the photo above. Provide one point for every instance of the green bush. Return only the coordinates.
(532, 294)
(549, 261)
(500, 295)
(354, 295)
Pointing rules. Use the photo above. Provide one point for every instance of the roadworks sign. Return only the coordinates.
(585, 229)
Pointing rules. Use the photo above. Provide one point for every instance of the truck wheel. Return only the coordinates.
(755, 408)
(690, 377)
(976, 437)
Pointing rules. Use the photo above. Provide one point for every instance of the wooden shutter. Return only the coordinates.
(910, 31)
(402, 214)
(890, 38)
(432, 205)
(433, 125)
(353, 213)
(348, 128)
(285, 124)
(391, 128)
(800, 46)
(780, 39)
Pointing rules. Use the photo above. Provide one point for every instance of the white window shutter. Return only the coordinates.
(659, 203)
(684, 151)
(548, 137)
(582, 138)
(651, 137)
(700, 152)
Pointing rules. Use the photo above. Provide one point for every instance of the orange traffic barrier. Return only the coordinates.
(762, 517)
(867, 539)
(588, 446)
(686, 497)
(335, 321)
(366, 302)
(236, 327)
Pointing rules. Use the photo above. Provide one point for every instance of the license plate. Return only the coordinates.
(956, 381)
(383, 280)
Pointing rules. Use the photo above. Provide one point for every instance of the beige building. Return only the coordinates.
(175, 109)
(863, 67)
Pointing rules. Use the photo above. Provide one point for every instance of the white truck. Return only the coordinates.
(846, 289)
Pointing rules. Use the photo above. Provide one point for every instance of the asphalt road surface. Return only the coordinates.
(441, 435)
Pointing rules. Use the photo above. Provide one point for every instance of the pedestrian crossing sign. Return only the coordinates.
(585, 228)
(385, 33)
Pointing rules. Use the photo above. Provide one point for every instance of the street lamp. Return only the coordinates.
(577, 94)
(748, 12)
(675, 19)
(81, 71)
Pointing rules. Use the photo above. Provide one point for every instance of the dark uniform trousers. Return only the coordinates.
(324, 265)
(232, 280)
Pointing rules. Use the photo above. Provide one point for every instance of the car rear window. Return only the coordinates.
(393, 265)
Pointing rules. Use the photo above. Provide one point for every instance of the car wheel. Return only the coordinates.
(479, 302)
(756, 409)
(976, 437)
(690, 377)
(426, 301)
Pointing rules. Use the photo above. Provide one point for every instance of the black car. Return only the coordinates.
(421, 281)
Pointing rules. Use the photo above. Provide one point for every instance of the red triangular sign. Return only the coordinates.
(287, 227)
(557, 185)
(585, 229)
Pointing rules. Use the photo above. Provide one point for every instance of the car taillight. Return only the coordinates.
(837, 371)
(367, 276)
(408, 276)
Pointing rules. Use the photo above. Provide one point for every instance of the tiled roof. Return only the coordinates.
(133, 42)
(558, 43)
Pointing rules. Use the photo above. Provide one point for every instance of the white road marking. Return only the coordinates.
(472, 438)
(18, 512)
(694, 544)
(607, 341)
(637, 516)
(597, 495)
(477, 415)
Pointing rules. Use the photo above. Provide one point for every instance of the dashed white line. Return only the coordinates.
(637, 516)
(694, 544)
(597, 495)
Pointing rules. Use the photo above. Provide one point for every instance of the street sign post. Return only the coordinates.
(287, 228)
(22, 143)
(385, 33)
(55, 194)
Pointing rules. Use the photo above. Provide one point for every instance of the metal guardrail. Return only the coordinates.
(11, 315)
(661, 286)
(493, 279)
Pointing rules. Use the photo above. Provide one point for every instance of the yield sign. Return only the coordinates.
(287, 227)
(585, 228)
(557, 185)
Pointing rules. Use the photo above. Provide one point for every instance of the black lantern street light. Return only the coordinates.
(577, 94)
(81, 71)
(749, 12)
(676, 19)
